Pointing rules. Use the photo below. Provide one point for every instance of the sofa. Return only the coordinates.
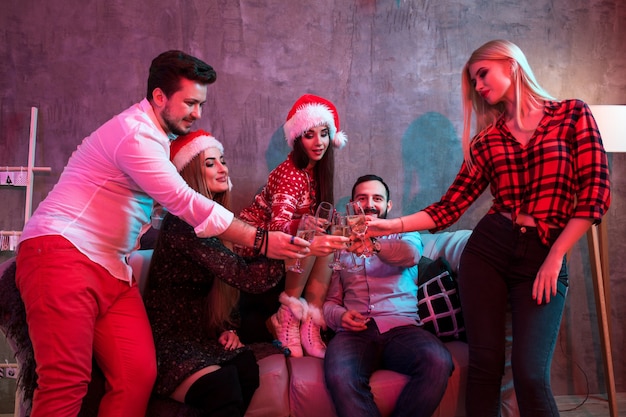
(295, 386)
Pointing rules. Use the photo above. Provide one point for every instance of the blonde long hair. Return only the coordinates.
(222, 298)
(528, 92)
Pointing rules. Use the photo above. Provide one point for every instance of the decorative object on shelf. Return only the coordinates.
(20, 179)
(20, 176)
(8, 240)
(6, 177)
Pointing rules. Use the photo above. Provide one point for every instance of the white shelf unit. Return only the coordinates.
(30, 170)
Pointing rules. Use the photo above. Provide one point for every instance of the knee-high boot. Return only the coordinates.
(248, 372)
(217, 393)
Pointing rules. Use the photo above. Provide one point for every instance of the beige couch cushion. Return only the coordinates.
(271, 398)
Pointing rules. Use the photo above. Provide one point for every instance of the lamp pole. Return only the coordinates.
(611, 120)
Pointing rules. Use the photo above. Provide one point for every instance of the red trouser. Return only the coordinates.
(77, 310)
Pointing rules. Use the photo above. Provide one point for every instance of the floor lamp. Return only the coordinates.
(612, 125)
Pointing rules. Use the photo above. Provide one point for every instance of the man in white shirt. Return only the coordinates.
(72, 273)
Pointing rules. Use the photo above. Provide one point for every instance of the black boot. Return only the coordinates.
(217, 393)
(248, 372)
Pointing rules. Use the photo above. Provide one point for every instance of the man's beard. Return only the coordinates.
(171, 126)
(372, 210)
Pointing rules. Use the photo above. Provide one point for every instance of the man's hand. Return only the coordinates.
(323, 245)
(354, 321)
(357, 247)
(279, 245)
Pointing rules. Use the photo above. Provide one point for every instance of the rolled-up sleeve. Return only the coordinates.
(145, 158)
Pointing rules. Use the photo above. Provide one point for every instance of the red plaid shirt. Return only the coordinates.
(561, 173)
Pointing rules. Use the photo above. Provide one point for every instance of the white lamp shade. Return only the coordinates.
(611, 120)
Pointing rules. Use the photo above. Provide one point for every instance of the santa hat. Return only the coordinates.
(312, 111)
(184, 148)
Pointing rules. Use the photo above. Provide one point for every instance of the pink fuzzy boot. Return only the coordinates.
(286, 323)
(310, 329)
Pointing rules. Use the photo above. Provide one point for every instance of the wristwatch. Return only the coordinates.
(375, 245)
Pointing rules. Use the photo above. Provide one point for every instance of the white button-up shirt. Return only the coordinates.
(104, 197)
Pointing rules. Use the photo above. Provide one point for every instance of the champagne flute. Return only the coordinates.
(355, 265)
(338, 227)
(306, 230)
(324, 213)
(358, 225)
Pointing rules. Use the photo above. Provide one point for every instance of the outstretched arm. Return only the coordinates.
(279, 245)
(411, 223)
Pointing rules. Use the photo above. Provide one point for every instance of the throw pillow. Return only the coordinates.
(438, 301)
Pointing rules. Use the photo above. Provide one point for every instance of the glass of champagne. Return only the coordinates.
(324, 214)
(338, 227)
(306, 230)
(358, 225)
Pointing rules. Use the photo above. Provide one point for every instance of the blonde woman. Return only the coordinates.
(192, 294)
(544, 163)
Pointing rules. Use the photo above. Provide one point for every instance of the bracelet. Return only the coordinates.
(401, 225)
(266, 238)
(263, 240)
(258, 240)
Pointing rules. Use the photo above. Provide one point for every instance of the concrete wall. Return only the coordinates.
(392, 67)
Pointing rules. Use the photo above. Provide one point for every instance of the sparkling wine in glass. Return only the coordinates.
(338, 227)
(324, 214)
(358, 224)
(306, 231)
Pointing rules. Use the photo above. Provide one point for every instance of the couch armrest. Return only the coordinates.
(448, 245)
(272, 396)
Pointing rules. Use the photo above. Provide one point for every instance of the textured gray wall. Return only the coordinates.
(392, 67)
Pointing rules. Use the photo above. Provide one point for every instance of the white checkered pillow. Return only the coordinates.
(438, 300)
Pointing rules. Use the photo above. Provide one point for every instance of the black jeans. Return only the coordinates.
(499, 265)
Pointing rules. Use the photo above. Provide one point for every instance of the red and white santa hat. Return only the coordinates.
(312, 111)
(185, 147)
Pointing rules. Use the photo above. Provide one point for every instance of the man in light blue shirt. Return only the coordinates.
(374, 314)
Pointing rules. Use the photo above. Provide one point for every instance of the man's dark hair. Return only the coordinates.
(371, 177)
(168, 68)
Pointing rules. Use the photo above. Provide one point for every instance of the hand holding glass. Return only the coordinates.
(324, 214)
(306, 230)
(358, 224)
(339, 227)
